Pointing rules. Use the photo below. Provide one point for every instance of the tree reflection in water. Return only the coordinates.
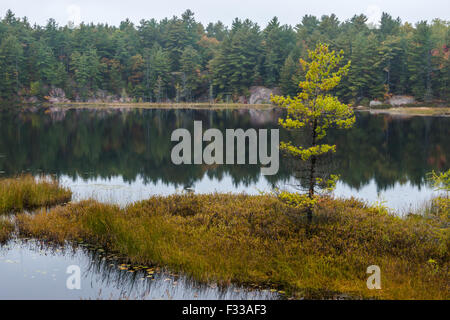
(135, 144)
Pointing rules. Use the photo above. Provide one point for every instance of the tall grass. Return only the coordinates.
(259, 240)
(25, 192)
(6, 229)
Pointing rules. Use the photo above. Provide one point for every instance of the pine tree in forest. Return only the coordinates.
(10, 60)
(419, 62)
(290, 76)
(393, 57)
(190, 67)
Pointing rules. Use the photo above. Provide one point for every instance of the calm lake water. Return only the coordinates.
(122, 156)
(31, 270)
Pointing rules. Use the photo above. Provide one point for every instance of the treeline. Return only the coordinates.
(179, 59)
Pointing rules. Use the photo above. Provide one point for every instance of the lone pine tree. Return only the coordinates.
(314, 109)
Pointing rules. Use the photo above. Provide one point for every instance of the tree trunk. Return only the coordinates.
(312, 180)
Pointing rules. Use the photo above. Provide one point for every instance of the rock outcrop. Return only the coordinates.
(57, 95)
(375, 103)
(261, 95)
(400, 100)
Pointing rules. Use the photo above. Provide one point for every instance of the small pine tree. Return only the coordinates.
(316, 110)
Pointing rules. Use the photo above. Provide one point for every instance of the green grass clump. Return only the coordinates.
(260, 240)
(6, 229)
(25, 193)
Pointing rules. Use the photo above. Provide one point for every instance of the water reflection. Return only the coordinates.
(124, 155)
(32, 270)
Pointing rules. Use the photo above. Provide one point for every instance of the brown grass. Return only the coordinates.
(25, 193)
(6, 229)
(259, 240)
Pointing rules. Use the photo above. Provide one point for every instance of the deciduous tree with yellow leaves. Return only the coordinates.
(315, 109)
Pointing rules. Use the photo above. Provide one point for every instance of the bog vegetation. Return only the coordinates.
(6, 229)
(181, 59)
(261, 241)
(26, 192)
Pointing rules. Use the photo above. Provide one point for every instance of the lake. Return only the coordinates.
(123, 155)
(33, 270)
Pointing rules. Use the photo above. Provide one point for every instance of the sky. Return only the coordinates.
(260, 11)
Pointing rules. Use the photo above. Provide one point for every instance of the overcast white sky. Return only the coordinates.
(260, 11)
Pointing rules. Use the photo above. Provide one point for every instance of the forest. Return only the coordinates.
(181, 60)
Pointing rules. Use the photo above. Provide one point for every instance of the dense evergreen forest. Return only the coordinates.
(179, 59)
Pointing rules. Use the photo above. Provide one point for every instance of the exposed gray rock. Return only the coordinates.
(32, 99)
(242, 99)
(57, 95)
(401, 100)
(260, 94)
(125, 99)
(375, 103)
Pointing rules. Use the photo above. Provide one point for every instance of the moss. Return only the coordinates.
(258, 240)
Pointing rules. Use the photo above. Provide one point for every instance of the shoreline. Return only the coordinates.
(129, 105)
(411, 111)
(406, 111)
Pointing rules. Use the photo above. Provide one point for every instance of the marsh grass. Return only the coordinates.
(26, 193)
(259, 241)
(6, 230)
